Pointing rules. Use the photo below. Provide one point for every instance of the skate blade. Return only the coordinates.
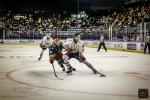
(102, 75)
(69, 73)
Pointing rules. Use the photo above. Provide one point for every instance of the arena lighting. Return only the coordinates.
(78, 16)
(81, 14)
(19, 16)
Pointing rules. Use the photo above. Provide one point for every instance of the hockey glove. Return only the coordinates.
(51, 60)
(60, 54)
(69, 51)
(81, 58)
(41, 45)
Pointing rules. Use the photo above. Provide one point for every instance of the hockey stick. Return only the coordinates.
(55, 73)
(101, 75)
(97, 72)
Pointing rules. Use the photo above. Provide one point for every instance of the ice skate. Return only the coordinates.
(73, 69)
(69, 71)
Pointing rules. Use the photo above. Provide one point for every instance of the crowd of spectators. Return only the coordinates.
(38, 21)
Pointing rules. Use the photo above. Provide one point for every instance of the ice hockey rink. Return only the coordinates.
(23, 77)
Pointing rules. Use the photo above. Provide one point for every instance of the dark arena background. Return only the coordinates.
(114, 40)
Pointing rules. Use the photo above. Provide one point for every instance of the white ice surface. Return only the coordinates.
(22, 77)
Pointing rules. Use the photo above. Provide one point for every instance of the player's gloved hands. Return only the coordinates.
(69, 50)
(60, 54)
(81, 58)
(41, 45)
(51, 59)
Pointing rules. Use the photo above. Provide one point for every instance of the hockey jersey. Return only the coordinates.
(75, 47)
(47, 42)
(54, 49)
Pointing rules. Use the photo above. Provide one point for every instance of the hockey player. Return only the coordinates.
(46, 42)
(74, 49)
(55, 53)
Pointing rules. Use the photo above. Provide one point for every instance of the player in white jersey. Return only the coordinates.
(74, 48)
(45, 43)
